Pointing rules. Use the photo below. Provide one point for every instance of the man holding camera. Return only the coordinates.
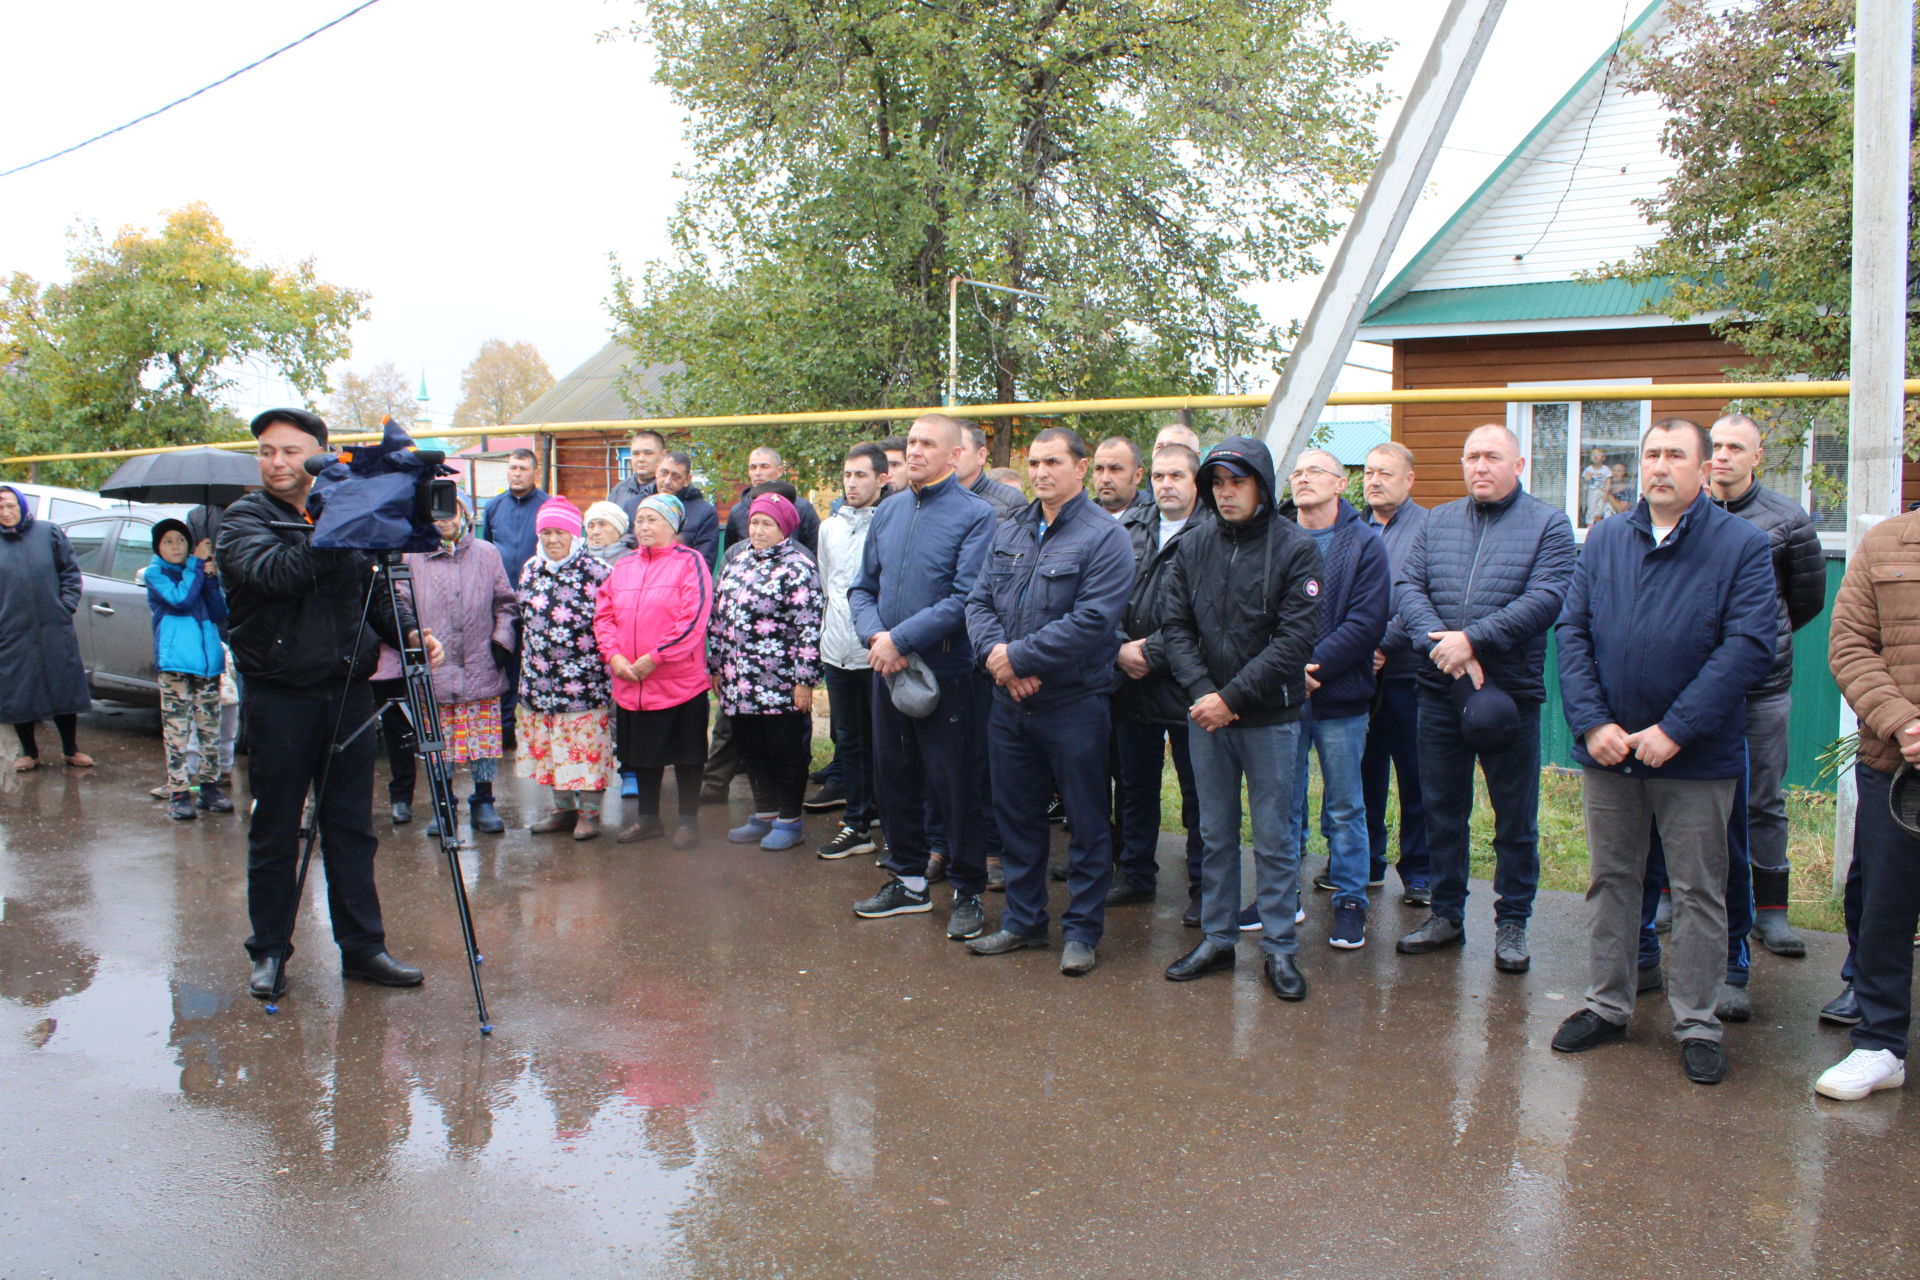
(295, 628)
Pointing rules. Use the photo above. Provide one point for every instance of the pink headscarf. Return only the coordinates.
(558, 513)
(777, 509)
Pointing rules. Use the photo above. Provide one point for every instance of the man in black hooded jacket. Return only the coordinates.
(1241, 621)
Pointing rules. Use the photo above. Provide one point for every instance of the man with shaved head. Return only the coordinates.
(1481, 586)
(1800, 581)
(765, 466)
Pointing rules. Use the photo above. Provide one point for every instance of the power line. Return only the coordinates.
(66, 151)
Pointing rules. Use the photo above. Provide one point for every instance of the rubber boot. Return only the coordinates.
(433, 827)
(1770, 925)
(486, 820)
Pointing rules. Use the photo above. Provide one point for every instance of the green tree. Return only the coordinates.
(504, 378)
(1757, 218)
(360, 401)
(1137, 164)
(142, 343)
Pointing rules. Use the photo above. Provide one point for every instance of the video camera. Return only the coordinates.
(382, 497)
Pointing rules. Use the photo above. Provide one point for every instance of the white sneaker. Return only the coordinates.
(1860, 1073)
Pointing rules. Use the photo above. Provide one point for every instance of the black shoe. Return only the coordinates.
(1843, 1010)
(1510, 947)
(180, 807)
(1284, 976)
(1586, 1030)
(1126, 895)
(1703, 1060)
(968, 919)
(849, 841)
(829, 796)
(1436, 933)
(996, 876)
(1001, 942)
(213, 799)
(819, 776)
(1418, 893)
(1776, 935)
(1191, 916)
(1204, 959)
(1648, 978)
(894, 899)
(1056, 810)
(402, 812)
(1077, 959)
(260, 984)
(1324, 882)
(381, 968)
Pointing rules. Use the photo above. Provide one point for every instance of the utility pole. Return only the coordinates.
(1310, 372)
(1876, 412)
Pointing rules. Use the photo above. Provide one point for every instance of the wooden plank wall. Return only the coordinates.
(1687, 353)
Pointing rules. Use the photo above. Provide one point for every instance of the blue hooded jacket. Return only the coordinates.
(188, 608)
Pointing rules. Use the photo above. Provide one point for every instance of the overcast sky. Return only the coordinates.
(472, 166)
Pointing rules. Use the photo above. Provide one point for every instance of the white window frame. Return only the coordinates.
(1518, 422)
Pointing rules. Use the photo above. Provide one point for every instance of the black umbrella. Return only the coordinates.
(211, 477)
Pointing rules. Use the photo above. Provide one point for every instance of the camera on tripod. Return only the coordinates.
(381, 497)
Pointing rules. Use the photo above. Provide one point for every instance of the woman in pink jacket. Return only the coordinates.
(651, 625)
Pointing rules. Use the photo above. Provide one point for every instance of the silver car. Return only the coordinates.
(115, 625)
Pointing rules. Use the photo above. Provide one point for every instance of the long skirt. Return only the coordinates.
(565, 750)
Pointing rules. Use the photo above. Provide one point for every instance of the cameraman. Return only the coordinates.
(294, 625)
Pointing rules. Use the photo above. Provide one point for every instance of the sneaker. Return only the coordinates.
(786, 834)
(1436, 933)
(180, 807)
(1349, 931)
(1324, 882)
(968, 920)
(1249, 918)
(894, 899)
(752, 831)
(829, 796)
(1510, 948)
(1418, 893)
(1860, 1073)
(1056, 810)
(1586, 1030)
(213, 799)
(849, 841)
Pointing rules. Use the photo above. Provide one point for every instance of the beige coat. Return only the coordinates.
(1874, 647)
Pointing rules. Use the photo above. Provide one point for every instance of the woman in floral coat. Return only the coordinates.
(566, 739)
(766, 623)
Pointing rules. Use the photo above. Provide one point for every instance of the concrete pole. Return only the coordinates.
(1310, 372)
(1876, 412)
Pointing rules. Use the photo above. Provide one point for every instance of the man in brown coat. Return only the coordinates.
(1874, 652)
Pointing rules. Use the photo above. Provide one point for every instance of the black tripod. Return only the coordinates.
(424, 714)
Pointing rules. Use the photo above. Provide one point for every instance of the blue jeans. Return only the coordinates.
(1739, 893)
(1032, 754)
(850, 714)
(1513, 785)
(1341, 743)
(1264, 756)
(1393, 750)
(1139, 750)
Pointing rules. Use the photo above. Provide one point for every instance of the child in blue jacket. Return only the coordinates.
(188, 605)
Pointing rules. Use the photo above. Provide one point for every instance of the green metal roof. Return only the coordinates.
(1541, 300)
(1500, 179)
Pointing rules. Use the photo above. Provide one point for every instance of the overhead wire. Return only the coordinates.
(141, 119)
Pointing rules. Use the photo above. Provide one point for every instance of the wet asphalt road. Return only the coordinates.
(705, 1066)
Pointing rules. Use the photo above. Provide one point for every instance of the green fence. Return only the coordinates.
(1816, 702)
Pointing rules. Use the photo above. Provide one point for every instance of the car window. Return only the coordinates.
(65, 509)
(89, 539)
(133, 550)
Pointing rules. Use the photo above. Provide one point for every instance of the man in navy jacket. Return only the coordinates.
(924, 550)
(1355, 592)
(507, 522)
(1668, 626)
(1480, 589)
(1044, 620)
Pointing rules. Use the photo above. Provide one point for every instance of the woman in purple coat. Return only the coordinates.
(461, 595)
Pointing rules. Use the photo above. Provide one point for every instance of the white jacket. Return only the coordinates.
(843, 540)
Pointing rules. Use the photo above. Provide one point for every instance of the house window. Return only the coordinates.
(1583, 456)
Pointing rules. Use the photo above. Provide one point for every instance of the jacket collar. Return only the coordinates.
(1069, 510)
(1741, 503)
(1499, 506)
(1641, 517)
(928, 492)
